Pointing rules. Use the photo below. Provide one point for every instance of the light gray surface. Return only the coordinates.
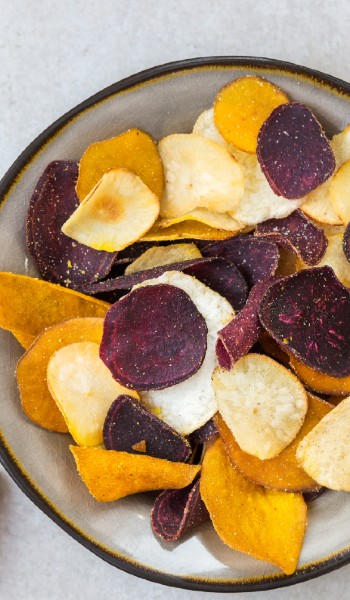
(52, 56)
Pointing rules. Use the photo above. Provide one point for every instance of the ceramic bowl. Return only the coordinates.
(162, 100)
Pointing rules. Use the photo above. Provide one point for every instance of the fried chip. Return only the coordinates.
(134, 150)
(320, 382)
(242, 106)
(346, 242)
(110, 475)
(335, 258)
(282, 472)
(184, 231)
(266, 524)
(29, 305)
(163, 255)
(339, 192)
(37, 401)
(218, 220)
(324, 452)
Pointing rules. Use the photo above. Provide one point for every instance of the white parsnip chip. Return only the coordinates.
(262, 403)
(217, 220)
(163, 255)
(334, 257)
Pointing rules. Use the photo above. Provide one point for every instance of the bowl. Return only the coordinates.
(162, 100)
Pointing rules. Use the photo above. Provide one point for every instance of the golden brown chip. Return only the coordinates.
(29, 305)
(110, 475)
(184, 231)
(320, 382)
(216, 220)
(266, 524)
(163, 255)
(287, 264)
(334, 257)
(339, 192)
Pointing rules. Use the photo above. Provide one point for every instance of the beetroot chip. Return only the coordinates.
(176, 512)
(239, 336)
(255, 258)
(130, 427)
(59, 258)
(223, 277)
(294, 153)
(308, 314)
(298, 234)
(204, 434)
(346, 242)
(153, 338)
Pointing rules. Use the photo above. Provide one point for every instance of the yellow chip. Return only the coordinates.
(208, 217)
(29, 305)
(324, 452)
(110, 475)
(242, 106)
(340, 192)
(334, 257)
(117, 212)
(163, 255)
(134, 150)
(266, 524)
(185, 230)
(320, 382)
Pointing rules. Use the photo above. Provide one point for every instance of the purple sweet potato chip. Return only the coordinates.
(204, 434)
(294, 153)
(255, 258)
(154, 337)
(308, 313)
(238, 337)
(346, 242)
(176, 512)
(298, 234)
(130, 427)
(311, 496)
(59, 258)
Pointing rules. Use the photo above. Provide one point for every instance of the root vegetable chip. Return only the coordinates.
(130, 427)
(153, 338)
(335, 258)
(204, 434)
(83, 389)
(346, 242)
(190, 404)
(287, 264)
(266, 524)
(324, 452)
(319, 382)
(206, 127)
(184, 231)
(117, 212)
(37, 401)
(134, 150)
(308, 314)
(318, 205)
(339, 192)
(163, 255)
(58, 257)
(242, 106)
(110, 475)
(298, 234)
(28, 306)
(282, 472)
(262, 403)
(199, 174)
(175, 512)
(255, 258)
(293, 151)
(271, 348)
(216, 220)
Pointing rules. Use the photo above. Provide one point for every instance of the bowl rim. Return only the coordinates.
(8, 459)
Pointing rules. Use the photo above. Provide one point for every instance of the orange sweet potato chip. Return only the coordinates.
(29, 305)
(36, 399)
(282, 472)
(110, 475)
(266, 524)
(319, 382)
(134, 150)
(185, 230)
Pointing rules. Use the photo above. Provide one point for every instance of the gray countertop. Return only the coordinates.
(52, 56)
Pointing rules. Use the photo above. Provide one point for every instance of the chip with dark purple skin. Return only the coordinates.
(308, 314)
(293, 151)
(175, 512)
(239, 336)
(130, 427)
(153, 338)
(312, 496)
(296, 233)
(346, 242)
(59, 258)
(255, 258)
(204, 434)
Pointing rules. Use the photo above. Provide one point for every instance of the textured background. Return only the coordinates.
(54, 55)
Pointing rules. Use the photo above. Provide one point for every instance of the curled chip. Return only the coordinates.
(219, 220)
(346, 242)
(255, 258)
(308, 314)
(153, 338)
(298, 234)
(116, 213)
(335, 258)
(339, 192)
(239, 336)
(175, 512)
(204, 434)
(242, 106)
(37, 402)
(110, 475)
(206, 127)
(199, 174)
(134, 150)
(282, 472)
(262, 403)
(184, 231)
(324, 452)
(163, 255)
(83, 389)
(266, 524)
(130, 427)
(293, 151)
(28, 306)
(58, 257)
(319, 382)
